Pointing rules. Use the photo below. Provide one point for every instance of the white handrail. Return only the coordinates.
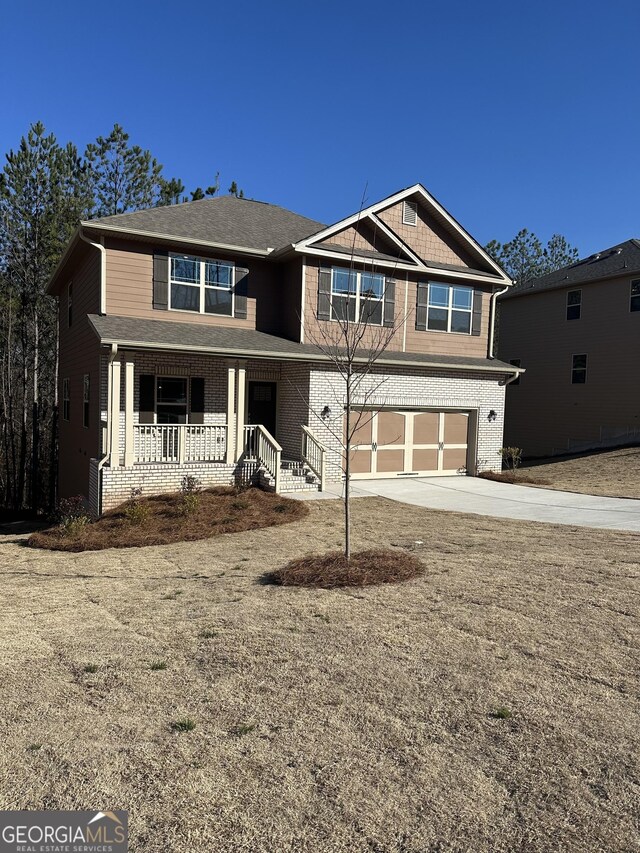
(268, 453)
(179, 443)
(314, 454)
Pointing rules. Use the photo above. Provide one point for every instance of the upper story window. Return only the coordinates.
(634, 301)
(574, 304)
(201, 285)
(410, 213)
(357, 296)
(86, 396)
(579, 369)
(449, 308)
(516, 362)
(66, 399)
(70, 304)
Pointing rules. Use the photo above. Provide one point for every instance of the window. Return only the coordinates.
(409, 213)
(357, 295)
(199, 285)
(86, 382)
(579, 369)
(574, 304)
(66, 402)
(171, 400)
(70, 304)
(449, 308)
(634, 304)
(516, 363)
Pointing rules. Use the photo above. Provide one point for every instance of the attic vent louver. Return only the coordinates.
(410, 213)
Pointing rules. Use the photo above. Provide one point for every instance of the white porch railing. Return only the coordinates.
(314, 453)
(267, 452)
(249, 441)
(179, 443)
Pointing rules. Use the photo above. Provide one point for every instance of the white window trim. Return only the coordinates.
(585, 368)
(632, 295)
(86, 398)
(356, 295)
(202, 286)
(449, 308)
(69, 305)
(187, 379)
(579, 317)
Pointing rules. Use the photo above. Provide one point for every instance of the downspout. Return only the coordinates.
(102, 461)
(511, 379)
(103, 269)
(492, 317)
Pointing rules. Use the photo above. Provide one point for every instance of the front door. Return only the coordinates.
(262, 405)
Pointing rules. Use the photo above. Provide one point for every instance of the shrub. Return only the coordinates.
(363, 569)
(511, 458)
(189, 489)
(135, 511)
(72, 515)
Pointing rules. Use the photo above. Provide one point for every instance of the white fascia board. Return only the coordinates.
(135, 232)
(358, 259)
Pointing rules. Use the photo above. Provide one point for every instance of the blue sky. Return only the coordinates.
(513, 115)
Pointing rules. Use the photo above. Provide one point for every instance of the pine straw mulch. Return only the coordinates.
(219, 510)
(365, 568)
(519, 479)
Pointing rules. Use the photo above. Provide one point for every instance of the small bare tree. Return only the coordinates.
(362, 326)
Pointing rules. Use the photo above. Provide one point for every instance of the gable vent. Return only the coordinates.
(410, 213)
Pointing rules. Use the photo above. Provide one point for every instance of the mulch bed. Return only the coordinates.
(165, 519)
(507, 477)
(365, 568)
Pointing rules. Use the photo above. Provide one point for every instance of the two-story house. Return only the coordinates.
(188, 345)
(577, 332)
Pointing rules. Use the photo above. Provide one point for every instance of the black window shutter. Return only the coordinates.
(389, 302)
(324, 294)
(241, 291)
(476, 324)
(161, 280)
(423, 302)
(147, 398)
(196, 400)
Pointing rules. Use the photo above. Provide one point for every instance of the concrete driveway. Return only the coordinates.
(502, 500)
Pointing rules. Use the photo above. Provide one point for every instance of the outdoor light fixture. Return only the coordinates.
(492, 415)
(326, 412)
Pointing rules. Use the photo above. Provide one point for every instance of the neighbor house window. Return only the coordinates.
(634, 304)
(357, 296)
(66, 401)
(579, 369)
(574, 304)
(449, 308)
(516, 363)
(69, 304)
(171, 400)
(199, 285)
(86, 383)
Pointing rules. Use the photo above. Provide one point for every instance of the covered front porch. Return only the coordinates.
(165, 415)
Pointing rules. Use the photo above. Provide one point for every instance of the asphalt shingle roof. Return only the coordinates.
(222, 340)
(620, 259)
(225, 219)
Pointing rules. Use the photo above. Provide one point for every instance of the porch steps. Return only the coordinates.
(295, 476)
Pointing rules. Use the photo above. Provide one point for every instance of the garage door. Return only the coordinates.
(391, 443)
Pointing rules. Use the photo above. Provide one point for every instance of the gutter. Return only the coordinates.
(103, 268)
(102, 461)
(492, 317)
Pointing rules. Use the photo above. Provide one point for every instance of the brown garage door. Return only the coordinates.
(390, 443)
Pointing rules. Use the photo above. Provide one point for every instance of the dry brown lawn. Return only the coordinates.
(332, 721)
(614, 473)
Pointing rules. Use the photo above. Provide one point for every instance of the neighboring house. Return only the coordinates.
(187, 346)
(577, 333)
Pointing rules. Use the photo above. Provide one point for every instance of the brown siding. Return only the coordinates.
(474, 346)
(130, 286)
(363, 236)
(545, 412)
(427, 238)
(79, 354)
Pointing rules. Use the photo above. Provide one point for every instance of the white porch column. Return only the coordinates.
(241, 382)
(114, 431)
(231, 409)
(128, 415)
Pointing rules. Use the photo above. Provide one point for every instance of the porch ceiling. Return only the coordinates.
(135, 333)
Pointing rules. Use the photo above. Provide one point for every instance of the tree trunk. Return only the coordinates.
(347, 476)
(35, 423)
